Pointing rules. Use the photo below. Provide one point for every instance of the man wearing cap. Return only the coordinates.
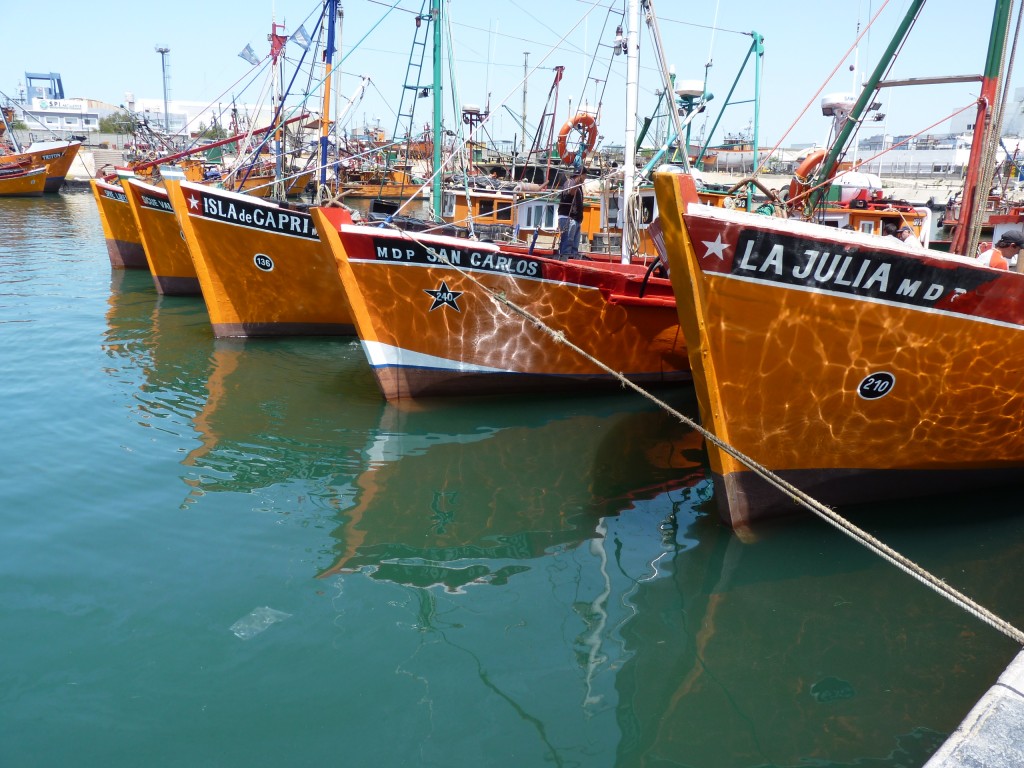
(1007, 248)
(906, 234)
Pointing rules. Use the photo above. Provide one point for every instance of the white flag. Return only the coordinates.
(249, 55)
(301, 37)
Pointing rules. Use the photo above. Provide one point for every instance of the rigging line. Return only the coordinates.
(254, 71)
(824, 84)
(707, 69)
(711, 42)
(825, 513)
(380, 93)
(394, 7)
(593, 63)
(575, 48)
(464, 146)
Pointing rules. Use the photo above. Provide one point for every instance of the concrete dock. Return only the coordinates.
(992, 734)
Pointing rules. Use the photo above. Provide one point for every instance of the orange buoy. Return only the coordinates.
(588, 126)
(800, 185)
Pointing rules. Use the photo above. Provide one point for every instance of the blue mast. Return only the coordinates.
(331, 12)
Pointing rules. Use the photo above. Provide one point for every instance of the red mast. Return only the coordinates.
(970, 208)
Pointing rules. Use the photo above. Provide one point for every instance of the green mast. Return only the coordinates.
(867, 93)
(435, 190)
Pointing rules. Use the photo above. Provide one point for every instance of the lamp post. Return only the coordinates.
(163, 51)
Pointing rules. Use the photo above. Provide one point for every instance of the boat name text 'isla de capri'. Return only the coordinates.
(252, 215)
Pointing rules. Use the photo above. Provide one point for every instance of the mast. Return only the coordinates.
(277, 43)
(757, 46)
(435, 190)
(965, 238)
(330, 14)
(629, 151)
(522, 132)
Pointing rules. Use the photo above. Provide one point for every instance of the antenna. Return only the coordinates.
(163, 51)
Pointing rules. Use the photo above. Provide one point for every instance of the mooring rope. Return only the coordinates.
(827, 514)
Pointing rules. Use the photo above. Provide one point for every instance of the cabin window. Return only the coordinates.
(532, 215)
(505, 212)
(867, 227)
(485, 208)
(448, 204)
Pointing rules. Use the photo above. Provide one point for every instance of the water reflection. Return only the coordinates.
(51, 219)
(450, 496)
(159, 348)
(256, 412)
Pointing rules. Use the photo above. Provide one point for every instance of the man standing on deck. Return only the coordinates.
(1006, 249)
(570, 216)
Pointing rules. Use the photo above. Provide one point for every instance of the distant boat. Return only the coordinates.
(381, 183)
(55, 156)
(429, 330)
(17, 181)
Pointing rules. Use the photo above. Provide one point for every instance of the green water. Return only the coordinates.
(234, 554)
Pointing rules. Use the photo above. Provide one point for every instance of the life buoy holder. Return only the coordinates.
(587, 125)
(800, 185)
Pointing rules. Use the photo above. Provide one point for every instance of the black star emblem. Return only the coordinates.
(444, 295)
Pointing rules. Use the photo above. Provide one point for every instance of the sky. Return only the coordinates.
(104, 49)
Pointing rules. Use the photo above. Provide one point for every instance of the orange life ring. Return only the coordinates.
(582, 122)
(800, 185)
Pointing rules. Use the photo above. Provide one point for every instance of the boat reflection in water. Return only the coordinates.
(453, 497)
(255, 412)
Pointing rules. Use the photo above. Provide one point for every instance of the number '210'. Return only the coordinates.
(876, 385)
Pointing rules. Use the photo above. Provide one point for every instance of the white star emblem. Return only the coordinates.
(193, 202)
(716, 247)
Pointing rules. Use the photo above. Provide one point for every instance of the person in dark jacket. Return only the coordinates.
(570, 215)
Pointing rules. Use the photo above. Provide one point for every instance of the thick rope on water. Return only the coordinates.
(827, 514)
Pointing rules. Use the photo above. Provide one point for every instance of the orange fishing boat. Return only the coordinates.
(17, 181)
(855, 367)
(166, 250)
(422, 305)
(848, 364)
(261, 267)
(55, 156)
(124, 244)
